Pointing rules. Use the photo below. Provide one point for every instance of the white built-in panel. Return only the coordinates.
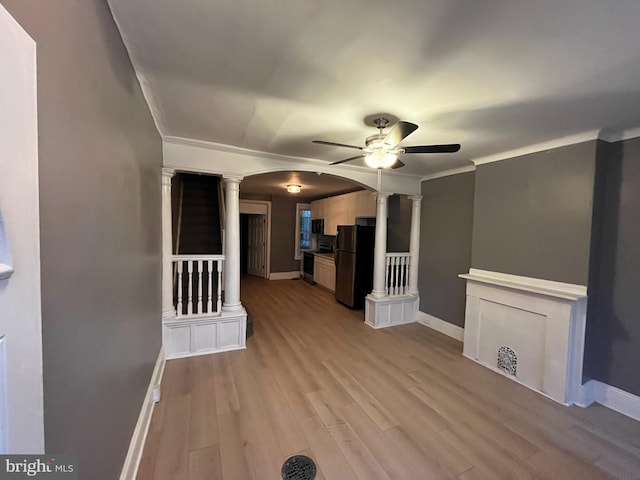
(188, 337)
(521, 331)
(390, 311)
(178, 340)
(229, 334)
(203, 337)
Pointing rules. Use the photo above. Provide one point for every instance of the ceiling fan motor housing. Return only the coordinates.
(376, 142)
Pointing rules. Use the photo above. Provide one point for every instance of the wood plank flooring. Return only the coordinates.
(399, 403)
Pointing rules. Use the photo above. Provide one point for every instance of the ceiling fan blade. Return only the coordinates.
(399, 132)
(347, 160)
(334, 144)
(450, 148)
(398, 164)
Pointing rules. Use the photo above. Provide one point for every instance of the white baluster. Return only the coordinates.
(386, 275)
(402, 266)
(407, 273)
(190, 295)
(179, 306)
(219, 301)
(209, 302)
(396, 264)
(199, 286)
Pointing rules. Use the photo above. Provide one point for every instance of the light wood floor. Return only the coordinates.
(400, 403)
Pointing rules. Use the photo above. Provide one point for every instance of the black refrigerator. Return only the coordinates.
(354, 264)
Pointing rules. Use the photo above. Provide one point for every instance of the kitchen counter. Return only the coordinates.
(324, 255)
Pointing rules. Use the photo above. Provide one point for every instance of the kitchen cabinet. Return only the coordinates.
(343, 209)
(324, 272)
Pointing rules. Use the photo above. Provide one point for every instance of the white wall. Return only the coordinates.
(20, 317)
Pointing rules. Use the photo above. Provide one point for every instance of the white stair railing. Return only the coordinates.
(396, 277)
(198, 274)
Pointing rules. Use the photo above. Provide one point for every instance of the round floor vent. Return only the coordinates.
(298, 467)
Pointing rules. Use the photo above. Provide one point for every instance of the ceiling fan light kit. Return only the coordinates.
(380, 158)
(381, 150)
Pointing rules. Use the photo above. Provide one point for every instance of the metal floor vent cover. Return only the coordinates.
(508, 361)
(298, 467)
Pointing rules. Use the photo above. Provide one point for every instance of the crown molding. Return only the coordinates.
(451, 171)
(604, 135)
(223, 148)
(628, 134)
(538, 147)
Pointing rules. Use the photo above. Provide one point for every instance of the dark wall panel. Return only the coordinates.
(445, 245)
(612, 350)
(532, 214)
(100, 161)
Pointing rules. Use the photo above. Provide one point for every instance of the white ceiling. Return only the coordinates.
(271, 75)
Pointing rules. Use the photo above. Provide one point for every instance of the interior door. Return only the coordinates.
(256, 231)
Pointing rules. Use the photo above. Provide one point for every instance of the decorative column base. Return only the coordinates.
(201, 336)
(383, 312)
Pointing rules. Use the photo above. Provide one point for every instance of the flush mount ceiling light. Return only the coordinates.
(294, 188)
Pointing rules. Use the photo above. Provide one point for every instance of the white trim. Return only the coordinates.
(611, 397)
(449, 329)
(447, 173)
(132, 461)
(261, 207)
(540, 286)
(284, 275)
(223, 148)
(538, 147)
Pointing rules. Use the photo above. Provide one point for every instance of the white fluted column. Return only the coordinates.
(168, 309)
(380, 250)
(414, 243)
(232, 245)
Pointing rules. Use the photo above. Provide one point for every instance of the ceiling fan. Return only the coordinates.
(381, 150)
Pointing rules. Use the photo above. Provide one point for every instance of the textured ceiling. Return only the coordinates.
(272, 75)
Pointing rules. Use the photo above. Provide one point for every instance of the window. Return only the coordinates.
(303, 228)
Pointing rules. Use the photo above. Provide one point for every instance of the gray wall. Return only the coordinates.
(612, 350)
(100, 158)
(532, 214)
(446, 223)
(283, 233)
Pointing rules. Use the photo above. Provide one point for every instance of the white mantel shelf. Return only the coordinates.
(530, 330)
(567, 291)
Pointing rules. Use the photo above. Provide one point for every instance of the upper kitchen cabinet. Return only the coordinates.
(343, 209)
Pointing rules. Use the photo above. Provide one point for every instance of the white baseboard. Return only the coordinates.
(441, 326)
(284, 275)
(132, 461)
(611, 397)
